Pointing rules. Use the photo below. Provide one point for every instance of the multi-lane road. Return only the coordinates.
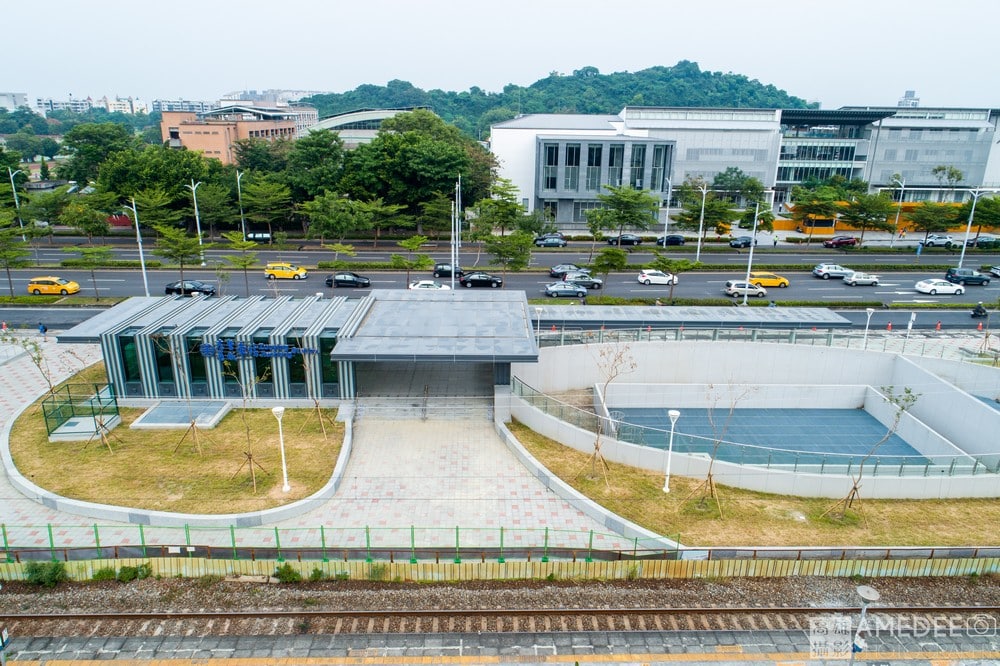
(896, 287)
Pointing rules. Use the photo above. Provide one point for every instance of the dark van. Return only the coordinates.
(966, 276)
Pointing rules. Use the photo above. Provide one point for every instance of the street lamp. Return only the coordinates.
(239, 197)
(753, 243)
(674, 415)
(666, 221)
(868, 595)
(701, 222)
(17, 205)
(197, 220)
(142, 257)
(976, 193)
(899, 207)
(278, 413)
(868, 321)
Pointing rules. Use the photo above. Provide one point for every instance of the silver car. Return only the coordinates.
(857, 277)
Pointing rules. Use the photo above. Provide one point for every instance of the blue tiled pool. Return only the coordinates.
(775, 436)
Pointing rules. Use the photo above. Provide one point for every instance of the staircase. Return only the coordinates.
(424, 408)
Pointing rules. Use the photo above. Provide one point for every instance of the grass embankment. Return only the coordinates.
(752, 518)
(168, 470)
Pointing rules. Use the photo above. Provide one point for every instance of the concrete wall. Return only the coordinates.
(944, 421)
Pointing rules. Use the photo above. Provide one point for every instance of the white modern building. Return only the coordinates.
(560, 163)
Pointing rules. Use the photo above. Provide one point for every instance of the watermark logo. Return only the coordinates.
(835, 636)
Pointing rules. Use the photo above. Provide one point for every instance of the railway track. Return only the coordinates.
(314, 621)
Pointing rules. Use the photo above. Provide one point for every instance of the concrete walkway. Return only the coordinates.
(435, 474)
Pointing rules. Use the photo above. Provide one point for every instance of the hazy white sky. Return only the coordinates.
(849, 52)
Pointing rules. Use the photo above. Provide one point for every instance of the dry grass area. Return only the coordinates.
(761, 519)
(164, 470)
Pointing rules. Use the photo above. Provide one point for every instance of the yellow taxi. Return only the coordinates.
(50, 284)
(277, 269)
(768, 280)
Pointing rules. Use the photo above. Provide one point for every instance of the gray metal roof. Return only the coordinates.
(562, 121)
(591, 317)
(455, 325)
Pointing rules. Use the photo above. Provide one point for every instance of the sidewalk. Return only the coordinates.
(435, 474)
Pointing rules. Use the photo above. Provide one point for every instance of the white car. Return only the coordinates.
(857, 277)
(935, 240)
(827, 271)
(428, 284)
(937, 286)
(740, 287)
(995, 270)
(656, 277)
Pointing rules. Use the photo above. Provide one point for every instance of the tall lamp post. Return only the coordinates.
(17, 204)
(197, 220)
(976, 193)
(753, 243)
(278, 413)
(868, 321)
(674, 415)
(899, 207)
(701, 221)
(666, 220)
(142, 257)
(239, 197)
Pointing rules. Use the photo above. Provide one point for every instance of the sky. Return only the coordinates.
(849, 52)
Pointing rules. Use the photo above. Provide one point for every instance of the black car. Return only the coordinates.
(347, 279)
(550, 241)
(741, 241)
(625, 239)
(672, 239)
(445, 270)
(561, 270)
(190, 288)
(480, 279)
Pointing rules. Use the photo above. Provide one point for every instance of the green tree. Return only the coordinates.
(92, 258)
(987, 213)
(315, 162)
(821, 203)
(414, 259)
(719, 214)
(215, 207)
(512, 252)
(379, 214)
(625, 207)
(266, 202)
(13, 250)
(154, 206)
(43, 169)
(435, 215)
(45, 206)
(610, 259)
(501, 210)
(129, 171)
(933, 218)
(948, 176)
(673, 266)
(175, 245)
(330, 215)
(82, 216)
(262, 156)
(89, 146)
(870, 211)
(246, 258)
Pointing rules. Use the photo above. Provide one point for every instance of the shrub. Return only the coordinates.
(128, 574)
(378, 572)
(104, 573)
(46, 574)
(286, 573)
(208, 580)
(144, 571)
(317, 575)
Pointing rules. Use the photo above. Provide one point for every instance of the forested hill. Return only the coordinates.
(586, 90)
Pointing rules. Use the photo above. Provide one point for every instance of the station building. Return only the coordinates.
(390, 342)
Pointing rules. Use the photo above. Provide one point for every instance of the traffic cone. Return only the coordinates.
(937, 327)
(888, 326)
(553, 328)
(980, 326)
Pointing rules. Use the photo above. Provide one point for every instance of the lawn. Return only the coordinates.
(170, 470)
(752, 518)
